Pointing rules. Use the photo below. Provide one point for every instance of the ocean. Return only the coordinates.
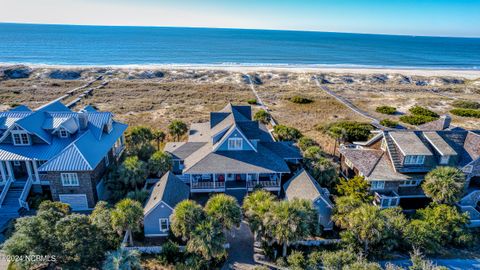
(124, 45)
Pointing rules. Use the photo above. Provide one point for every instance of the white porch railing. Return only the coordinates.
(208, 185)
(22, 201)
(6, 187)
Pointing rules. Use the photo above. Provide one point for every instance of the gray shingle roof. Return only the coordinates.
(168, 189)
(364, 160)
(409, 143)
(284, 150)
(303, 186)
(383, 171)
(439, 143)
(181, 150)
(262, 161)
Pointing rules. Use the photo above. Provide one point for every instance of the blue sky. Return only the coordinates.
(420, 17)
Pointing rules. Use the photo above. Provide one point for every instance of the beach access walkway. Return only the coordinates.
(260, 101)
(374, 121)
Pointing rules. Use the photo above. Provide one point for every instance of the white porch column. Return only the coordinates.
(10, 170)
(258, 179)
(214, 180)
(2, 172)
(35, 171)
(29, 169)
(191, 182)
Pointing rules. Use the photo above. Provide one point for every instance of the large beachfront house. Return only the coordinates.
(231, 151)
(54, 148)
(395, 162)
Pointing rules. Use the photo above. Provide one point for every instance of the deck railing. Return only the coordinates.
(22, 201)
(254, 183)
(5, 189)
(208, 185)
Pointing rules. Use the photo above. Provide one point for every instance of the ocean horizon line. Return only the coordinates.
(245, 29)
(240, 65)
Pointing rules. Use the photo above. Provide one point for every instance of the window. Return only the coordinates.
(468, 169)
(414, 160)
(16, 163)
(235, 143)
(389, 202)
(63, 133)
(20, 138)
(409, 183)
(164, 224)
(69, 179)
(377, 184)
(444, 160)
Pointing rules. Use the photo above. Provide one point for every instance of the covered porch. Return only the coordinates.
(24, 172)
(220, 182)
(386, 199)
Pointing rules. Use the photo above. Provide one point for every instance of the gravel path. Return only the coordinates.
(240, 254)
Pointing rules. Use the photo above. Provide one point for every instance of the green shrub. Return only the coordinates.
(466, 104)
(262, 116)
(296, 260)
(315, 260)
(386, 109)
(416, 119)
(349, 130)
(252, 101)
(305, 142)
(418, 110)
(285, 133)
(388, 123)
(300, 100)
(313, 152)
(466, 112)
(281, 262)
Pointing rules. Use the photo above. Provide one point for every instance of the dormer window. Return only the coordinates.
(444, 160)
(414, 160)
(20, 138)
(109, 126)
(235, 144)
(63, 133)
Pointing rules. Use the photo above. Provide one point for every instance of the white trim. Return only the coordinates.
(83, 157)
(70, 177)
(401, 150)
(153, 208)
(235, 143)
(434, 146)
(160, 224)
(377, 188)
(442, 162)
(416, 157)
(156, 234)
(227, 135)
(60, 134)
(417, 182)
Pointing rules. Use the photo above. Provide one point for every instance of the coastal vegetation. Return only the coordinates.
(300, 100)
(389, 123)
(262, 116)
(466, 104)
(386, 110)
(416, 120)
(466, 112)
(286, 133)
(418, 110)
(348, 131)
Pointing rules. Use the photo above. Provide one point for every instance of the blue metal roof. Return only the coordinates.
(81, 151)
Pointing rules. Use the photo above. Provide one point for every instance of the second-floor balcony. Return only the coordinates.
(386, 199)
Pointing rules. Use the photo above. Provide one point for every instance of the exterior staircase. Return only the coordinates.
(393, 152)
(10, 206)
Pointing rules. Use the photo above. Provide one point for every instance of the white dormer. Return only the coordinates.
(63, 133)
(20, 136)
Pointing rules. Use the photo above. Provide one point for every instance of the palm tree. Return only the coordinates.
(177, 128)
(186, 215)
(255, 206)
(367, 224)
(139, 135)
(444, 184)
(159, 163)
(127, 217)
(207, 239)
(286, 223)
(122, 259)
(225, 209)
(159, 137)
